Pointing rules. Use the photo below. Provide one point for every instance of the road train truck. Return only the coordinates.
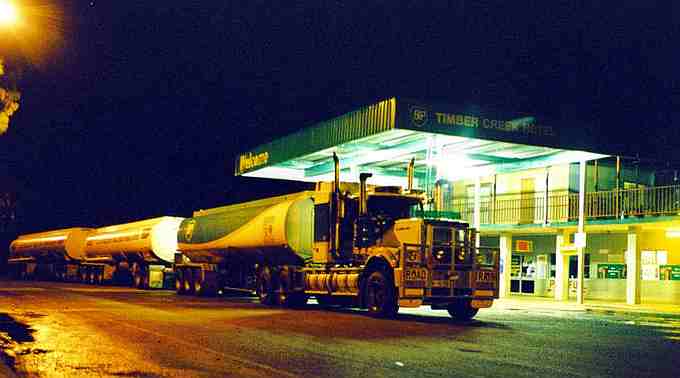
(366, 250)
(136, 253)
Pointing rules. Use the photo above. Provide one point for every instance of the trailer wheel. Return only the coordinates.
(462, 310)
(88, 275)
(138, 275)
(179, 284)
(380, 295)
(265, 287)
(188, 282)
(197, 277)
(286, 296)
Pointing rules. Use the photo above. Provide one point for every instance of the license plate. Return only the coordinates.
(484, 276)
(415, 275)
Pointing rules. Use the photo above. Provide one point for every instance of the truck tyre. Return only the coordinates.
(380, 295)
(265, 288)
(462, 310)
(324, 300)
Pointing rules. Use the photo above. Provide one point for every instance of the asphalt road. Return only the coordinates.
(55, 330)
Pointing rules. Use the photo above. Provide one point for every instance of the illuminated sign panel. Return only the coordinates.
(250, 161)
(524, 246)
(473, 123)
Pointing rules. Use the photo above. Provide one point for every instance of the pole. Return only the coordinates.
(581, 227)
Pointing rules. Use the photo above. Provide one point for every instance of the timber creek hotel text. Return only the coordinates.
(518, 126)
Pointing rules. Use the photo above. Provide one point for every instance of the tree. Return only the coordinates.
(9, 103)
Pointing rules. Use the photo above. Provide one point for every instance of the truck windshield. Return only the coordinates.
(486, 256)
(394, 207)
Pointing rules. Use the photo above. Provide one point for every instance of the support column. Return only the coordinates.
(477, 210)
(633, 267)
(546, 197)
(561, 269)
(580, 251)
(505, 244)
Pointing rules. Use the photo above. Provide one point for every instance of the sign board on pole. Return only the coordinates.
(580, 240)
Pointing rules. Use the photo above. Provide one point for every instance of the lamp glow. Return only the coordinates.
(9, 14)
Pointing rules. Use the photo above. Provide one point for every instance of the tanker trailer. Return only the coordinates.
(131, 253)
(48, 255)
(375, 249)
(224, 245)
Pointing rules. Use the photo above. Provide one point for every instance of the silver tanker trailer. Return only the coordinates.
(48, 254)
(139, 250)
(374, 250)
(134, 253)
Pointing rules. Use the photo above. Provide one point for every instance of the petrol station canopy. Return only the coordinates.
(447, 142)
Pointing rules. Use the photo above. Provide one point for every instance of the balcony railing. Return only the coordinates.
(562, 206)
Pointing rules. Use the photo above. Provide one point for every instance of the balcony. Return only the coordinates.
(562, 206)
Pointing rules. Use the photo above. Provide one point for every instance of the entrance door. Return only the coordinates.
(523, 274)
(527, 201)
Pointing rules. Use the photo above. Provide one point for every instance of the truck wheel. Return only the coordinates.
(265, 289)
(324, 300)
(298, 299)
(380, 295)
(462, 310)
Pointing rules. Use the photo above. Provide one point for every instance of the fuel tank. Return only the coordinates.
(153, 239)
(58, 245)
(276, 229)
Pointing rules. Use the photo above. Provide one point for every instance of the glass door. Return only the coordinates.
(523, 274)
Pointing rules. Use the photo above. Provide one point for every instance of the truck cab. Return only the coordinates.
(399, 257)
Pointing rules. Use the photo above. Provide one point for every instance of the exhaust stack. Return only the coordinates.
(363, 196)
(438, 196)
(410, 173)
(335, 211)
(336, 165)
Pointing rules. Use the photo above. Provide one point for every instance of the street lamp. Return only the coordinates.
(9, 99)
(9, 13)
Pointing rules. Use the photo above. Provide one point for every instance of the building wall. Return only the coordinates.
(511, 183)
(609, 248)
(606, 176)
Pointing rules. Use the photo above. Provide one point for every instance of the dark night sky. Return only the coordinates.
(141, 107)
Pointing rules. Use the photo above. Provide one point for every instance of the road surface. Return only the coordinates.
(58, 329)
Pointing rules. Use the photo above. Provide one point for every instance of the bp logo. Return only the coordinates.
(189, 229)
(418, 116)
